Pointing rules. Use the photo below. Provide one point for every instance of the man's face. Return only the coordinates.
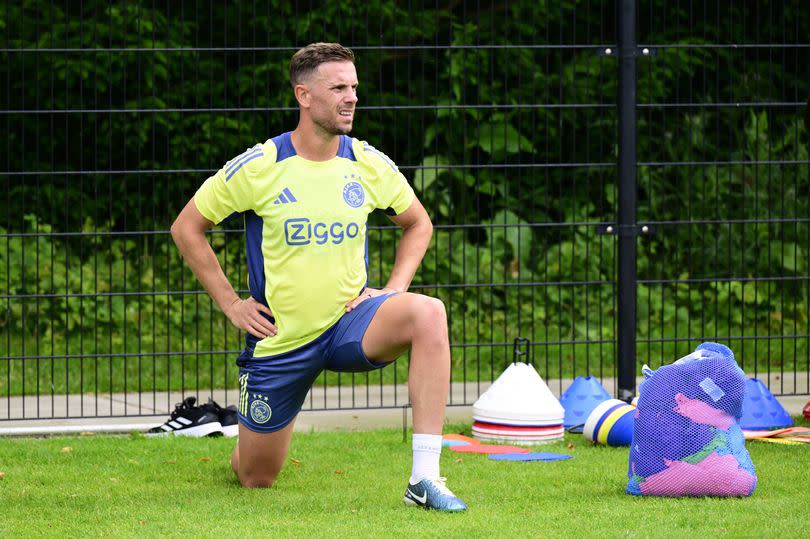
(333, 96)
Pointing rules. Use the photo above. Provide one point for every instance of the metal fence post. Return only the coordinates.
(626, 286)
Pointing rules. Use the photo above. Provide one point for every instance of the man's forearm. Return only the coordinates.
(199, 256)
(411, 249)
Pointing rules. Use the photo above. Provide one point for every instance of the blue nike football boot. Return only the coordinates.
(433, 494)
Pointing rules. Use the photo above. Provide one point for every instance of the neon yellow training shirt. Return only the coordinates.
(305, 227)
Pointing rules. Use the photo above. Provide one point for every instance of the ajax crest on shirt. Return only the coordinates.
(353, 194)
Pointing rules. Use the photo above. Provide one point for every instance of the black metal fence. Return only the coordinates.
(609, 223)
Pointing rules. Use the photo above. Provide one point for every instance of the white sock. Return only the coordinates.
(427, 448)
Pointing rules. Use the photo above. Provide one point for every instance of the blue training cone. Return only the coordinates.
(761, 410)
(579, 400)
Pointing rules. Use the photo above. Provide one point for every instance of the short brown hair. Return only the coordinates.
(307, 60)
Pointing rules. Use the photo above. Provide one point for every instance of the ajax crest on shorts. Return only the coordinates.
(260, 411)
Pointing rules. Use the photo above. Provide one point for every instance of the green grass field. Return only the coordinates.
(351, 485)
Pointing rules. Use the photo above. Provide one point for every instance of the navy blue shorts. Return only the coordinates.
(272, 389)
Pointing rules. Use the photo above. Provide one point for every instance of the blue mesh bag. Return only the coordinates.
(687, 439)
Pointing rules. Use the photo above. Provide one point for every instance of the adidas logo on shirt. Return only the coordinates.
(286, 197)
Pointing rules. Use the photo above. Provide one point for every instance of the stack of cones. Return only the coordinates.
(518, 408)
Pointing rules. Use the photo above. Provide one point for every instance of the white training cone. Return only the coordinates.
(519, 397)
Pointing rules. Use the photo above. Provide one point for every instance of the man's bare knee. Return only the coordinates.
(258, 458)
(431, 314)
(257, 481)
(437, 309)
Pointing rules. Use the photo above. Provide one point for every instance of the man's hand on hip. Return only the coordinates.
(368, 293)
(247, 314)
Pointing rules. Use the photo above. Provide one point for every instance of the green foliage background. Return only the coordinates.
(503, 117)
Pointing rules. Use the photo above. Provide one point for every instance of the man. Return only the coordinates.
(305, 196)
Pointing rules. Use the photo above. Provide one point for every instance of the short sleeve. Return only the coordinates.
(230, 190)
(395, 194)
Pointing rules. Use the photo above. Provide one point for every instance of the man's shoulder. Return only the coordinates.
(270, 152)
(255, 157)
(280, 146)
(371, 156)
(255, 163)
